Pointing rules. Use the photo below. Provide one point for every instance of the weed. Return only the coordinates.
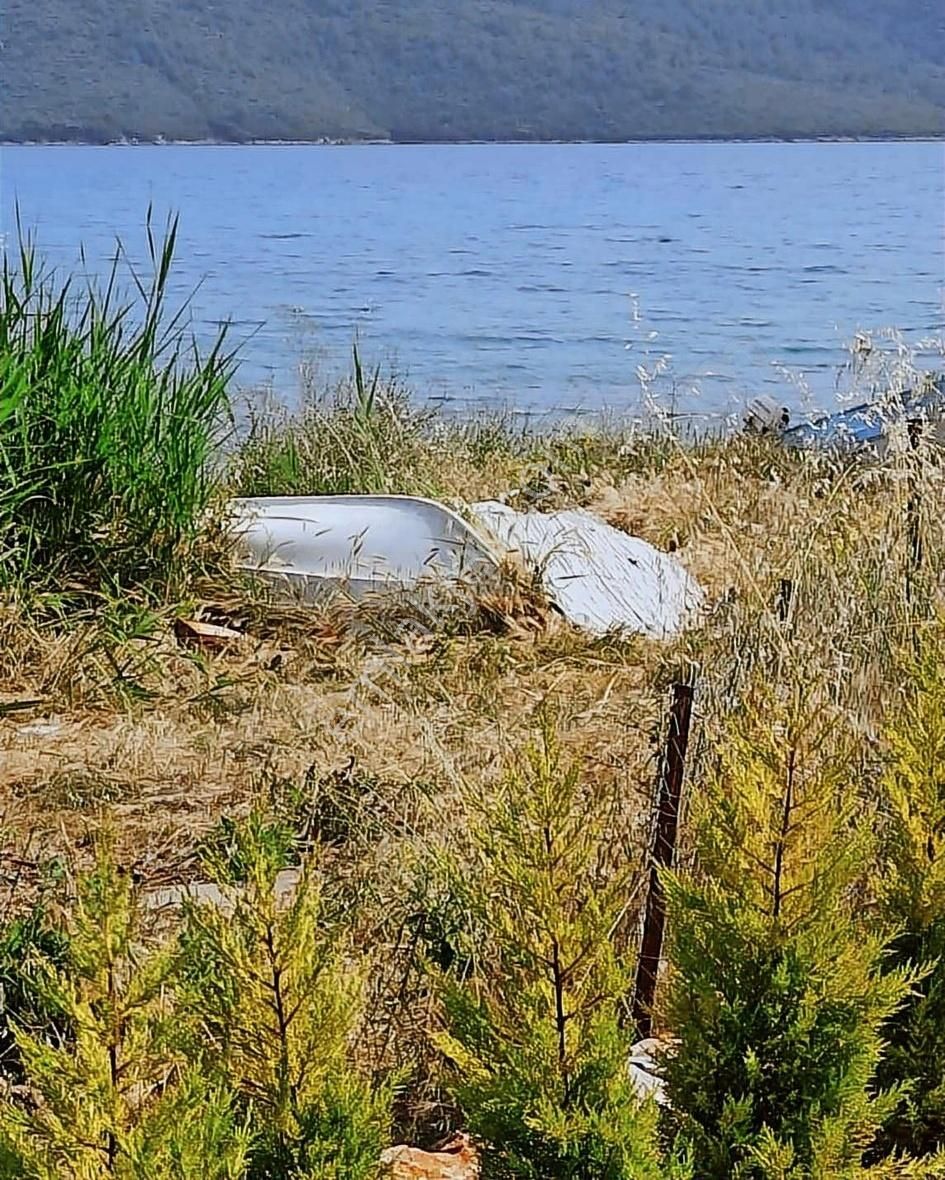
(365, 437)
(109, 422)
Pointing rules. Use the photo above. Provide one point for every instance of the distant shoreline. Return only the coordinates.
(695, 139)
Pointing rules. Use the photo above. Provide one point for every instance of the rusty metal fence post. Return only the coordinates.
(664, 851)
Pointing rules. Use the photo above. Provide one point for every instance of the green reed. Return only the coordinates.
(110, 418)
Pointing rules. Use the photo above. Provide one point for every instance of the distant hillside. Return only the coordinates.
(470, 69)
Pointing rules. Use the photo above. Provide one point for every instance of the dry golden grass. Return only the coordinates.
(165, 738)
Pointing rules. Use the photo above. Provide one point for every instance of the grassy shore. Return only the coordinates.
(384, 751)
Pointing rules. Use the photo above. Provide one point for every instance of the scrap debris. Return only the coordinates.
(599, 578)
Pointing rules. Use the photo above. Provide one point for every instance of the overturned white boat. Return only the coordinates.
(598, 577)
(314, 545)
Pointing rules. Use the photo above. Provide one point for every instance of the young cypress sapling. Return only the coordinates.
(778, 995)
(912, 887)
(540, 1058)
(113, 1098)
(274, 999)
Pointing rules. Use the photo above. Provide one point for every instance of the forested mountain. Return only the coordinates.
(470, 69)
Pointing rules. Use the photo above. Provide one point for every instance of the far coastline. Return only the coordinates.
(159, 141)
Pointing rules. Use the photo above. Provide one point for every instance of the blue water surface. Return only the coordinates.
(541, 277)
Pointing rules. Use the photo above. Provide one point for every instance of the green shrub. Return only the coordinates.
(231, 848)
(778, 994)
(109, 419)
(114, 1099)
(274, 1001)
(913, 891)
(539, 1055)
(28, 946)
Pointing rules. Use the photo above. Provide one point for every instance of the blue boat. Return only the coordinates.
(867, 425)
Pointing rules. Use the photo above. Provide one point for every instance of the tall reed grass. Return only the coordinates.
(110, 417)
